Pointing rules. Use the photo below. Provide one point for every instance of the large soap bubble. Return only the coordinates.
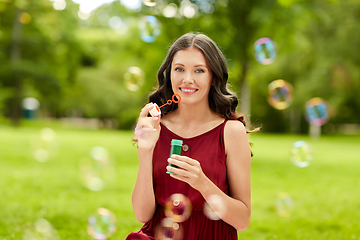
(178, 207)
(265, 51)
(102, 224)
(45, 145)
(280, 94)
(150, 28)
(284, 205)
(169, 230)
(96, 170)
(317, 111)
(214, 207)
(41, 229)
(301, 154)
(134, 78)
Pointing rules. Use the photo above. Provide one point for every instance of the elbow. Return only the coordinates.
(243, 226)
(141, 217)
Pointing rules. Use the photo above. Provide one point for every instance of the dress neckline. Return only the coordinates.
(197, 136)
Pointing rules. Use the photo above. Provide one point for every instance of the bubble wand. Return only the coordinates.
(155, 111)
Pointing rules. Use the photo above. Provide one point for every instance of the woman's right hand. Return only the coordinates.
(147, 129)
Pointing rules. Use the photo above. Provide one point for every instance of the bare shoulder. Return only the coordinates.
(234, 128)
(235, 137)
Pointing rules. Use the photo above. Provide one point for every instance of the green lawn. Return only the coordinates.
(325, 194)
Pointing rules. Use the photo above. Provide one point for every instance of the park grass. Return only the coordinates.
(325, 194)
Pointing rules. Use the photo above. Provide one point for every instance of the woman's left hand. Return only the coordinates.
(189, 171)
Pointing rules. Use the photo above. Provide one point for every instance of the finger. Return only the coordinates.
(144, 112)
(179, 171)
(139, 133)
(157, 122)
(186, 159)
(178, 177)
(180, 164)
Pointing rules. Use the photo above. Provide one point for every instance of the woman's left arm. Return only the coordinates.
(238, 165)
(234, 209)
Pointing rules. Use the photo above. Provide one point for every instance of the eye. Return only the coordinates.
(199, 71)
(178, 69)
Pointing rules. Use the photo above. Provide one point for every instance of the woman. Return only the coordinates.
(215, 158)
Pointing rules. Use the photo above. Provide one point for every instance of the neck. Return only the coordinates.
(190, 114)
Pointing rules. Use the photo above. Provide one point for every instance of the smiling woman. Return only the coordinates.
(214, 162)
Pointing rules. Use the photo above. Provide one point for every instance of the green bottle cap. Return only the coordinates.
(176, 142)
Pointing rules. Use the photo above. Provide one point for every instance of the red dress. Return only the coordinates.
(207, 148)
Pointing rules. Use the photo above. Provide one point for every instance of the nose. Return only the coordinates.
(188, 78)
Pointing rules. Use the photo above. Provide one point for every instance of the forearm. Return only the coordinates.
(231, 210)
(143, 198)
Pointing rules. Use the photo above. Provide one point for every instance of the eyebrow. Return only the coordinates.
(199, 65)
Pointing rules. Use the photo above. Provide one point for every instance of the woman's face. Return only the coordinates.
(191, 76)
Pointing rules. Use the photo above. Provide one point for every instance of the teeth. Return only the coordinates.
(188, 90)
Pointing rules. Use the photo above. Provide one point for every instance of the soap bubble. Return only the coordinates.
(150, 28)
(134, 78)
(178, 207)
(265, 51)
(317, 111)
(280, 94)
(284, 205)
(101, 224)
(301, 154)
(214, 208)
(44, 146)
(96, 169)
(150, 3)
(41, 229)
(169, 230)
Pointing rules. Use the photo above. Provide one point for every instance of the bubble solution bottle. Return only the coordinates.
(175, 149)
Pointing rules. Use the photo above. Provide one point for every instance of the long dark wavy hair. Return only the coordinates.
(221, 100)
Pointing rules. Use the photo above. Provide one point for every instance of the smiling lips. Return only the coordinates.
(188, 90)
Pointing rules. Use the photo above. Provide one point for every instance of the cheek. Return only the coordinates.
(175, 76)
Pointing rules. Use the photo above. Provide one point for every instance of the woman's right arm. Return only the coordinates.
(143, 198)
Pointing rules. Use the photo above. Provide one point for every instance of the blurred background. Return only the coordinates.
(74, 75)
(98, 59)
